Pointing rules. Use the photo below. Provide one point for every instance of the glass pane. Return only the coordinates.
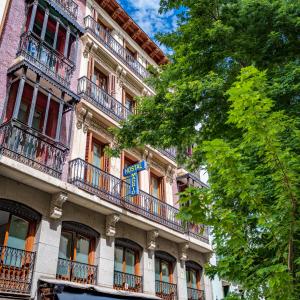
(82, 249)
(157, 269)
(155, 187)
(17, 233)
(193, 279)
(4, 217)
(23, 113)
(130, 261)
(119, 259)
(165, 271)
(97, 155)
(65, 245)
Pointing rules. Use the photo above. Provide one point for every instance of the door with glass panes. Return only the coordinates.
(75, 251)
(126, 264)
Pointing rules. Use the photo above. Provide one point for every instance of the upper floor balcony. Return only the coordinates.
(97, 96)
(115, 190)
(45, 59)
(104, 37)
(69, 6)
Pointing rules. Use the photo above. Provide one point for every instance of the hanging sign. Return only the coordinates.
(132, 173)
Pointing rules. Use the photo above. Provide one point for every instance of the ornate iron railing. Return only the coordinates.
(115, 190)
(165, 290)
(47, 60)
(76, 272)
(69, 6)
(16, 268)
(104, 37)
(128, 282)
(101, 99)
(28, 146)
(195, 294)
(169, 152)
(199, 232)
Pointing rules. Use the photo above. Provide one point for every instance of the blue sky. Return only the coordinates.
(145, 14)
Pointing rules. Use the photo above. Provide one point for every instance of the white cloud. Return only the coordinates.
(145, 14)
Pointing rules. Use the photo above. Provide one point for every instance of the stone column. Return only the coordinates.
(149, 272)
(46, 247)
(181, 280)
(105, 256)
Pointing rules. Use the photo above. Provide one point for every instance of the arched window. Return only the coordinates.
(193, 279)
(164, 279)
(17, 232)
(17, 225)
(127, 266)
(77, 253)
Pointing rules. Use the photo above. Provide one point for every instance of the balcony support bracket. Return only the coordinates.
(151, 239)
(56, 204)
(111, 221)
(183, 248)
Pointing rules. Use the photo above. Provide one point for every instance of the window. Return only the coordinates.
(163, 270)
(17, 233)
(129, 102)
(156, 186)
(127, 266)
(77, 253)
(100, 79)
(193, 278)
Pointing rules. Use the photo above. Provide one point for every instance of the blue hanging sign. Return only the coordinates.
(132, 172)
(141, 166)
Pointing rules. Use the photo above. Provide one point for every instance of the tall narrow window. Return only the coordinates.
(163, 270)
(193, 276)
(76, 256)
(100, 79)
(127, 268)
(156, 186)
(129, 102)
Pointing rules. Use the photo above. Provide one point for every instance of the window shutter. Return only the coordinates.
(88, 148)
(106, 163)
(90, 71)
(91, 258)
(112, 85)
(30, 236)
(94, 14)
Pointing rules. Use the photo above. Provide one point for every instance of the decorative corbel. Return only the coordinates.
(145, 92)
(87, 121)
(87, 49)
(111, 221)
(151, 239)
(56, 204)
(81, 112)
(183, 247)
(170, 173)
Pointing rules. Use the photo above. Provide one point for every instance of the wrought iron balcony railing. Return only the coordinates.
(165, 290)
(16, 268)
(69, 6)
(115, 190)
(128, 282)
(195, 294)
(102, 100)
(76, 272)
(169, 152)
(28, 146)
(199, 232)
(45, 59)
(104, 37)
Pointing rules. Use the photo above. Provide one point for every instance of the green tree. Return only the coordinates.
(201, 100)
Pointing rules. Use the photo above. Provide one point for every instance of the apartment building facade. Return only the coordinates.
(69, 226)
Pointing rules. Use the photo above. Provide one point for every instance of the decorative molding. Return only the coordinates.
(84, 118)
(111, 221)
(152, 238)
(183, 248)
(56, 204)
(100, 129)
(170, 172)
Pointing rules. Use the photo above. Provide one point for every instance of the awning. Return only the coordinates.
(66, 290)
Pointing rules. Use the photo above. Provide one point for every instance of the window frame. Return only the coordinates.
(170, 269)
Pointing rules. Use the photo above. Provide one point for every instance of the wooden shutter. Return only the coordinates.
(112, 85)
(91, 258)
(91, 64)
(106, 163)
(88, 147)
(30, 236)
(94, 14)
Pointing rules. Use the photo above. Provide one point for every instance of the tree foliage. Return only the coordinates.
(232, 89)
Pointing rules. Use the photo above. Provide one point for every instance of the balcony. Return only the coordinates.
(76, 272)
(102, 100)
(105, 38)
(45, 59)
(69, 6)
(128, 282)
(114, 190)
(165, 290)
(195, 294)
(199, 232)
(32, 148)
(16, 268)
(169, 152)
